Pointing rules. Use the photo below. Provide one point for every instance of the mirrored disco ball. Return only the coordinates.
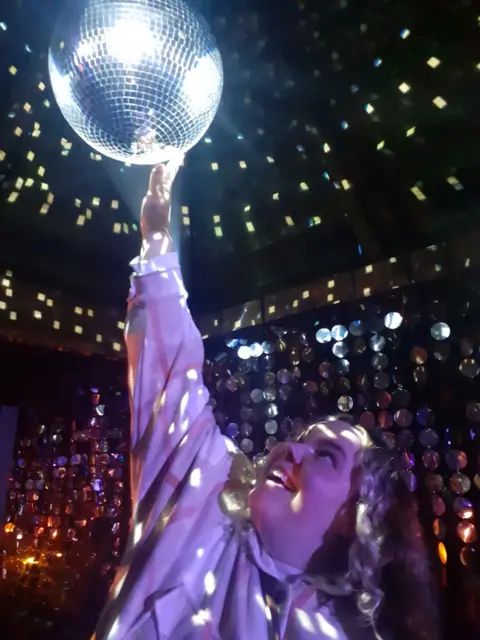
(136, 79)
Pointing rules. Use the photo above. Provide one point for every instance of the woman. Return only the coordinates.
(324, 543)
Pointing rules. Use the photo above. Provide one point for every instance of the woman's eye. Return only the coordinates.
(326, 455)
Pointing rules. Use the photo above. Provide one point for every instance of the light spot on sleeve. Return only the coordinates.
(118, 586)
(230, 445)
(160, 402)
(210, 583)
(200, 553)
(304, 620)
(201, 618)
(137, 532)
(114, 630)
(192, 374)
(196, 477)
(184, 402)
(326, 628)
(178, 280)
(263, 605)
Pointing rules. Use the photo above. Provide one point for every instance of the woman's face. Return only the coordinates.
(307, 491)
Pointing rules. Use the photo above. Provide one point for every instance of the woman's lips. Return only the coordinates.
(281, 478)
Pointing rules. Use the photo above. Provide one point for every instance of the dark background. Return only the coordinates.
(296, 74)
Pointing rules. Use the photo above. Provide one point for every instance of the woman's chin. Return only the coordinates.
(272, 517)
(269, 505)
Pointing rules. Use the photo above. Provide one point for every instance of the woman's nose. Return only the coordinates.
(296, 451)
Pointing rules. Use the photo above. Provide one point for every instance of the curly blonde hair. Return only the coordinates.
(388, 572)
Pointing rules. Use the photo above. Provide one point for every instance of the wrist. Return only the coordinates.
(156, 243)
(157, 235)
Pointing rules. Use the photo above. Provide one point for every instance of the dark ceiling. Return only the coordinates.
(346, 135)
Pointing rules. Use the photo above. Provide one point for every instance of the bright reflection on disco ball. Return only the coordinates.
(138, 80)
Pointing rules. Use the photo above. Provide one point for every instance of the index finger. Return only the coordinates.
(156, 179)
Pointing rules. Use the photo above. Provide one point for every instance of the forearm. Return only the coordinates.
(165, 358)
(155, 244)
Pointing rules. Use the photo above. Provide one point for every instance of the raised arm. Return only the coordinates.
(171, 420)
(179, 459)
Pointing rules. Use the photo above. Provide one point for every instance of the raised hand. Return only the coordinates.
(155, 213)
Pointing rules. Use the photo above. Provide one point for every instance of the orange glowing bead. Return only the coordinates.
(442, 553)
(9, 527)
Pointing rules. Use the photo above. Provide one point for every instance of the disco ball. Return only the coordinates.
(138, 80)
